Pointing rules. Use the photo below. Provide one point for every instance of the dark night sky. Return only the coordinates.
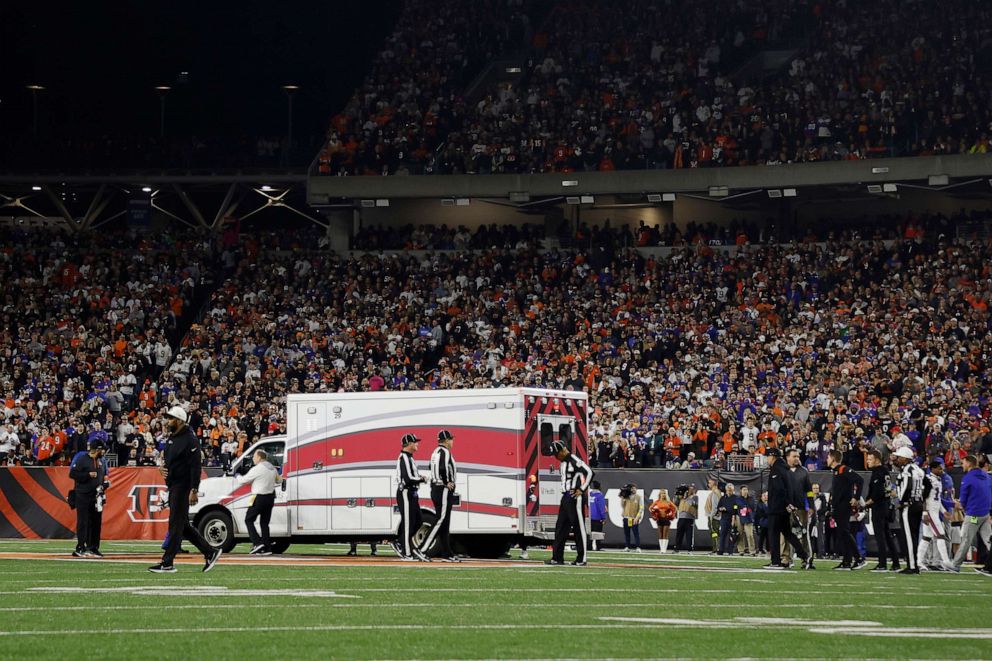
(99, 61)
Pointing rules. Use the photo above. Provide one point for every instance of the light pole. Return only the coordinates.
(34, 104)
(162, 90)
(290, 90)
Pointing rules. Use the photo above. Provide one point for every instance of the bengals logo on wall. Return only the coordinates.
(147, 503)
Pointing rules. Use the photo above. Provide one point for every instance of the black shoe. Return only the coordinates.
(859, 564)
(771, 565)
(554, 562)
(808, 564)
(842, 566)
(78, 554)
(162, 568)
(984, 571)
(879, 569)
(907, 570)
(449, 558)
(584, 563)
(349, 553)
(183, 551)
(94, 553)
(211, 560)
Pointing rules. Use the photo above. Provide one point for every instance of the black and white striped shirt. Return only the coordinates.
(575, 474)
(443, 468)
(407, 475)
(911, 484)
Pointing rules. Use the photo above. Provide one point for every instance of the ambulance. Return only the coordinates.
(339, 462)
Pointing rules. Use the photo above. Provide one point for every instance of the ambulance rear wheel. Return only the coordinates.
(429, 519)
(279, 546)
(217, 530)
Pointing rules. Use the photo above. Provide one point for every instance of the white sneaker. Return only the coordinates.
(524, 555)
(640, 550)
(626, 549)
(255, 550)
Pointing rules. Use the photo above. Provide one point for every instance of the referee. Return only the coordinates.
(263, 478)
(575, 478)
(182, 476)
(408, 481)
(443, 478)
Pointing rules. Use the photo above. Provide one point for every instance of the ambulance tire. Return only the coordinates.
(481, 546)
(217, 530)
(279, 546)
(429, 519)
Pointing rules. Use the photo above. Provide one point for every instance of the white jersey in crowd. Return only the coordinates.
(263, 478)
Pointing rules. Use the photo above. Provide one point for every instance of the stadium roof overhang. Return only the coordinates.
(960, 175)
(199, 200)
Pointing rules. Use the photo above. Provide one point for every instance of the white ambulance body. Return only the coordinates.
(339, 461)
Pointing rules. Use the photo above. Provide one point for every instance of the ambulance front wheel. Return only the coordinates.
(217, 530)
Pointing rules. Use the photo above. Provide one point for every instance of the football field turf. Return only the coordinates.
(316, 604)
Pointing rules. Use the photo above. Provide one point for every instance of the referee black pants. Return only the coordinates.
(885, 539)
(408, 503)
(442, 497)
(570, 521)
(912, 518)
(261, 509)
(88, 522)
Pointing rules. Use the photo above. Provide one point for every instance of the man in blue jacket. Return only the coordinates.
(597, 512)
(976, 501)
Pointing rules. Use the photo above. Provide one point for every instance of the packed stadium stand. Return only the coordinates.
(670, 85)
(719, 348)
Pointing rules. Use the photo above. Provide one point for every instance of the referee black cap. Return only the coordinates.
(409, 438)
(444, 435)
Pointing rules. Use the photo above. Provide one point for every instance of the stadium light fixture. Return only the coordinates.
(774, 193)
(668, 197)
(719, 191)
(874, 189)
(447, 202)
(882, 170)
(789, 192)
(291, 88)
(889, 188)
(462, 201)
(570, 182)
(366, 204)
(572, 199)
(146, 189)
(382, 203)
(513, 70)
(654, 197)
(587, 199)
(267, 188)
(36, 188)
(938, 180)
(519, 196)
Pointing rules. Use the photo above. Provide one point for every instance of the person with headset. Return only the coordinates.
(408, 481)
(443, 477)
(576, 477)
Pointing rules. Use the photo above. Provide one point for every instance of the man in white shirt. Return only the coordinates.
(263, 478)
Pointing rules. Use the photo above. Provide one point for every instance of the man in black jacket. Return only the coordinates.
(780, 497)
(182, 476)
(844, 492)
(89, 473)
(877, 502)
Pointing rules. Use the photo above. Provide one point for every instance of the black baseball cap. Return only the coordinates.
(773, 452)
(97, 444)
(444, 435)
(408, 439)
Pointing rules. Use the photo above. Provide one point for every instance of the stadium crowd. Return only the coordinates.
(699, 356)
(662, 91)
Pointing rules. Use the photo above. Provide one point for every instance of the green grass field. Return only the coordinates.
(644, 606)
